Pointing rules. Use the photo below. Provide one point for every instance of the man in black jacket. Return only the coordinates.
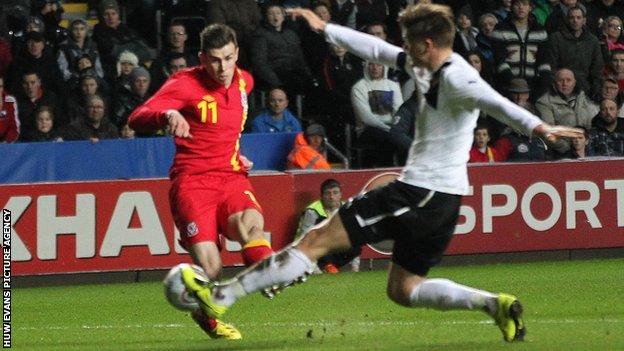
(574, 47)
(277, 56)
(94, 126)
(36, 57)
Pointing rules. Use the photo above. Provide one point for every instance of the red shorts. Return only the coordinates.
(202, 204)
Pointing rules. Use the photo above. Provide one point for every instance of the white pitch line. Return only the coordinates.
(322, 324)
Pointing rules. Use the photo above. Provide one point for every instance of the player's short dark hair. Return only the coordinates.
(330, 183)
(429, 21)
(216, 36)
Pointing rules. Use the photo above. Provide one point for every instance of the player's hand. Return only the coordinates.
(178, 126)
(554, 133)
(314, 21)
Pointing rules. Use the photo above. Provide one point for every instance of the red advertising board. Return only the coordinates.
(127, 225)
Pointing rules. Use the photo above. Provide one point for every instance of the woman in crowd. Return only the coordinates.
(611, 38)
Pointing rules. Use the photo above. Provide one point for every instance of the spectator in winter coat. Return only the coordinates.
(176, 47)
(487, 23)
(558, 18)
(277, 56)
(110, 34)
(241, 15)
(574, 47)
(31, 95)
(71, 50)
(44, 131)
(308, 151)
(466, 35)
(607, 133)
(277, 118)
(375, 99)
(520, 49)
(127, 101)
(94, 126)
(340, 71)
(566, 105)
(564, 100)
(36, 57)
(126, 62)
(611, 38)
(51, 12)
(615, 69)
(599, 10)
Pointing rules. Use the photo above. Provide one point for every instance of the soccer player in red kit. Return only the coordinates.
(205, 108)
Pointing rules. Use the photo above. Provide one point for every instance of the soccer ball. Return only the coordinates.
(176, 293)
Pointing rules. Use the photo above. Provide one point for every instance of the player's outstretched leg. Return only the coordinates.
(412, 290)
(291, 265)
(273, 273)
(444, 294)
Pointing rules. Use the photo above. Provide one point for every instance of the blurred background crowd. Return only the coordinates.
(76, 70)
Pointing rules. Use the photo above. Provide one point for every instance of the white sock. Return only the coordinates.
(278, 269)
(444, 294)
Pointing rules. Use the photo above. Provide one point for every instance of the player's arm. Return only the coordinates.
(365, 46)
(476, 92)
(162, 110)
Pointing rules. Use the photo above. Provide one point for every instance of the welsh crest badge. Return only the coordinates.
(191, 229)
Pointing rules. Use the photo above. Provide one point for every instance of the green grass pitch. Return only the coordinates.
(574, 305)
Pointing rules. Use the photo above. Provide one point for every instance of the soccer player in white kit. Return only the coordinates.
(420, 209)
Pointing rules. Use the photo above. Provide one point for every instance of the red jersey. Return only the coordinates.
(491, 154)
(216, 117)
(9, 120)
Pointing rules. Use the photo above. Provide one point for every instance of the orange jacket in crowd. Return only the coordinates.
(303, 156)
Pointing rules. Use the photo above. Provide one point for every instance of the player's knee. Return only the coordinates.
(255, 232)
(313, 244)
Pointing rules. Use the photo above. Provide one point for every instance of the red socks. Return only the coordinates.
(256, 250)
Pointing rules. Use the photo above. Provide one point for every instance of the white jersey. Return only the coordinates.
(449, 102)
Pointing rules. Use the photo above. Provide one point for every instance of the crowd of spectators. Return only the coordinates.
(563, 60)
